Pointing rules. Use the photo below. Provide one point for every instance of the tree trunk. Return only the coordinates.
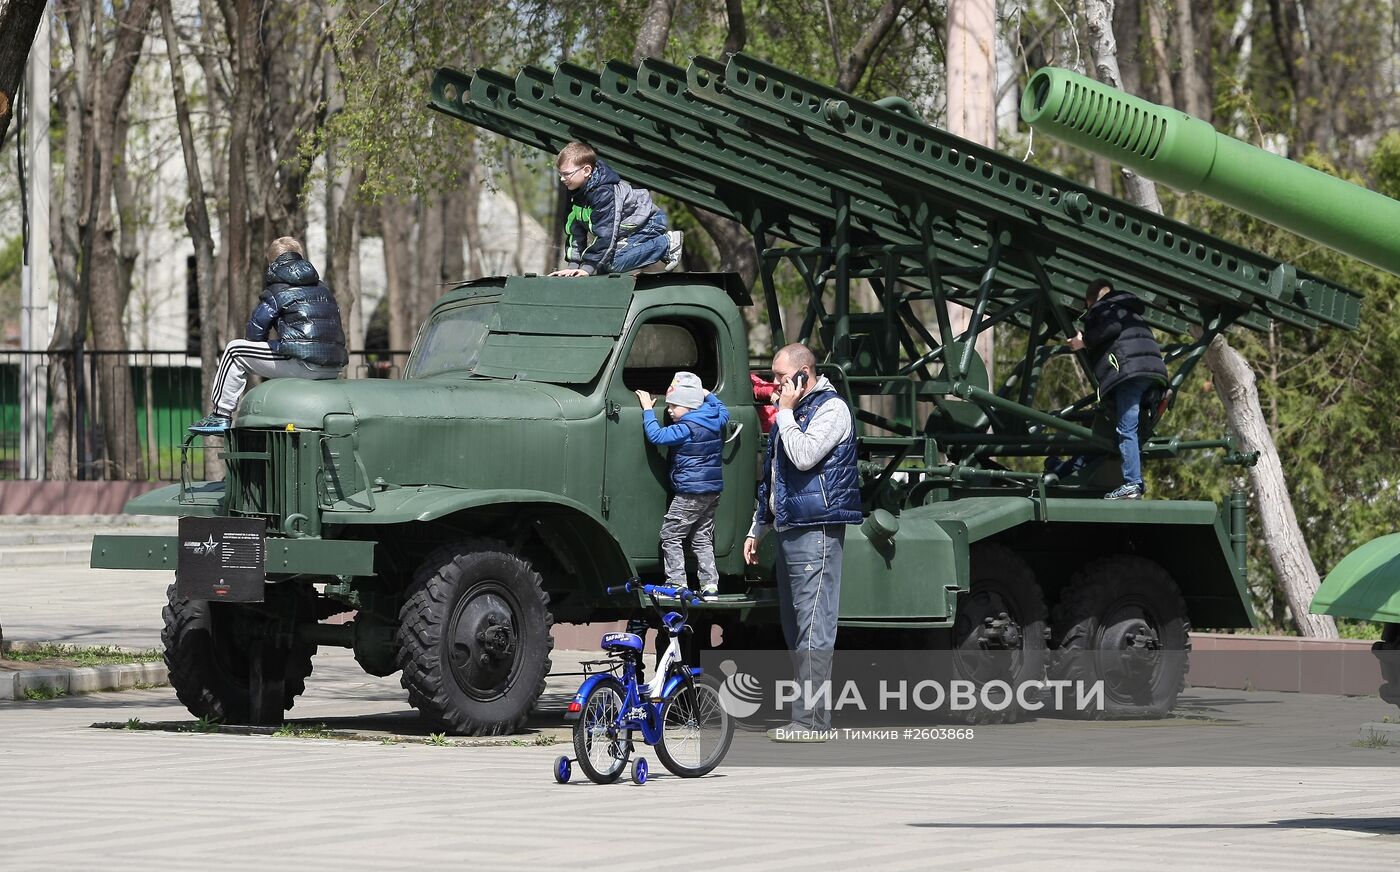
(198, 224)
(396, 223)
(1191, 90)
(72, 304)
(19, 21)
(1157, 41)
(1104, 48)
(1235, 384)
(1288, 550)
(972, 85)
(655, 30)
(738, 35)
(858, 61)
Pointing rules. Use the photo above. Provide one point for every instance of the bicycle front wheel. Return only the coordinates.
(601, 750)
(695, 729)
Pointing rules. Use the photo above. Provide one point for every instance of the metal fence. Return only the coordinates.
(94, 415)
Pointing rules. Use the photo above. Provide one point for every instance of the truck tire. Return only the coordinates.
(1012, 648)
(1387, 652)
(209, 659)
(1122, 620)
(474, 638)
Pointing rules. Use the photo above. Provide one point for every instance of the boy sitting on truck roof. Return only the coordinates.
(627, 231)
(1127, 363)
(697, 476)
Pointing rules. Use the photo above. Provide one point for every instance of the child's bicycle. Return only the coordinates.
(678, 711)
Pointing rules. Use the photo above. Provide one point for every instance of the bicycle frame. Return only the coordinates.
(640, 713)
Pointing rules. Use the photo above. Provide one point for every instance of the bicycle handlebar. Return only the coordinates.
(684, 594)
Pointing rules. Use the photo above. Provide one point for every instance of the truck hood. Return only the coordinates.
(304, 404)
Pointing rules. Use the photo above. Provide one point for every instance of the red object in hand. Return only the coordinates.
(763, 394)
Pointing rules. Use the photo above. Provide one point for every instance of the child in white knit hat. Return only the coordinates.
(696, 440)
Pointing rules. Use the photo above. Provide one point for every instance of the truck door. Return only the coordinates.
(636, 487)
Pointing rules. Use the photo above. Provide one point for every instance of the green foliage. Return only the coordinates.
(439, 740)
(11, 263)
(101, 655)
(133, 724)
(303, 731)
(44, 693)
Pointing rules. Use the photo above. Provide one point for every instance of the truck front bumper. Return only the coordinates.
(284, 556)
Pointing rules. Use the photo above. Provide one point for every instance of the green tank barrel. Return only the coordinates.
(1176, 149)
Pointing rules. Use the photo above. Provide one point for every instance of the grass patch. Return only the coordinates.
(76, 655)
(1374, 740)
(303, 731)
(203, 725)
(132, 724)
(41, 693)
(439, 740)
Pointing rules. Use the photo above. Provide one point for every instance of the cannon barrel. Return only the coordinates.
(1174, 148)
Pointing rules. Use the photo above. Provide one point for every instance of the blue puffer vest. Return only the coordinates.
(308, 318)
(828, 493)
(696, 464)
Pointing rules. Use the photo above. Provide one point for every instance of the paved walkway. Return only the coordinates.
(81, 797)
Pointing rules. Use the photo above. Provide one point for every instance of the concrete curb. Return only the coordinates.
(83, 679)
(77, 679)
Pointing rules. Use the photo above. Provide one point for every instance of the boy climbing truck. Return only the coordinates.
(506, 481)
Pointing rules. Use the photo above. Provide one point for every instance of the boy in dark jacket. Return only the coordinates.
(697, 475)
(1127, 362)
(310, 341)
(612, 226)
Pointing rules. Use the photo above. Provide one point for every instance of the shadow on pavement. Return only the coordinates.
(1375, 825)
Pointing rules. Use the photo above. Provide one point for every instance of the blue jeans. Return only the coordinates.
(809, 601)
(1127, 399)
(645, 245)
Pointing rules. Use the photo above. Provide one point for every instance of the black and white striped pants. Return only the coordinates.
(243, 356)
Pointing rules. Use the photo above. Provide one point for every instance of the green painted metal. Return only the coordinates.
(320, 557)
(1365, 584)
(1188, 154)
(517, 419)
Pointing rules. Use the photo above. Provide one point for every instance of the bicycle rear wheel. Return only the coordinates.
(695, 729)
(601, 756)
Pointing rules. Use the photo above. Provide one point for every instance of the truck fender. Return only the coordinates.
(1365, 584)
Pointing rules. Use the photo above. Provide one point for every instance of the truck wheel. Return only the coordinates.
(209, 651)
(1122, 621)
(1387, 651)
(474, 638)
(999, 633)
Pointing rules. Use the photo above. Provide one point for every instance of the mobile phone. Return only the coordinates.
(799, 380)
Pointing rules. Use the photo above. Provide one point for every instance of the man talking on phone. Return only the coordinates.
(809, 492)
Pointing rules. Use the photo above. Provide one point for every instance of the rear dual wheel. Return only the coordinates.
(999, 634)
(1123, 622)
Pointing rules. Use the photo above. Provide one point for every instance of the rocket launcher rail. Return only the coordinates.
(860, 190)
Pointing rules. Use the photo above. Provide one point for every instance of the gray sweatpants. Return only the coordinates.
(809, 601)
(690, 516)
(242, 356)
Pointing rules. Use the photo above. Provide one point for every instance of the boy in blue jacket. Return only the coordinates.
(697, 475)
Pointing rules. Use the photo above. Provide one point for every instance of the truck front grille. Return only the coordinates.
(271, 475)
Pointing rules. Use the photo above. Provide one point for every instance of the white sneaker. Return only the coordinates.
(674, 238)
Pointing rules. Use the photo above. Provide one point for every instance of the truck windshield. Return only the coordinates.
(452, 340)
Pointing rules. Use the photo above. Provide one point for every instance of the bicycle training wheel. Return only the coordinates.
(601, 757)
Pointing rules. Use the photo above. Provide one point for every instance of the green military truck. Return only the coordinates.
(504, 482)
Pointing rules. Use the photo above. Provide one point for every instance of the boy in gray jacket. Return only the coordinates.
(612, 226)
